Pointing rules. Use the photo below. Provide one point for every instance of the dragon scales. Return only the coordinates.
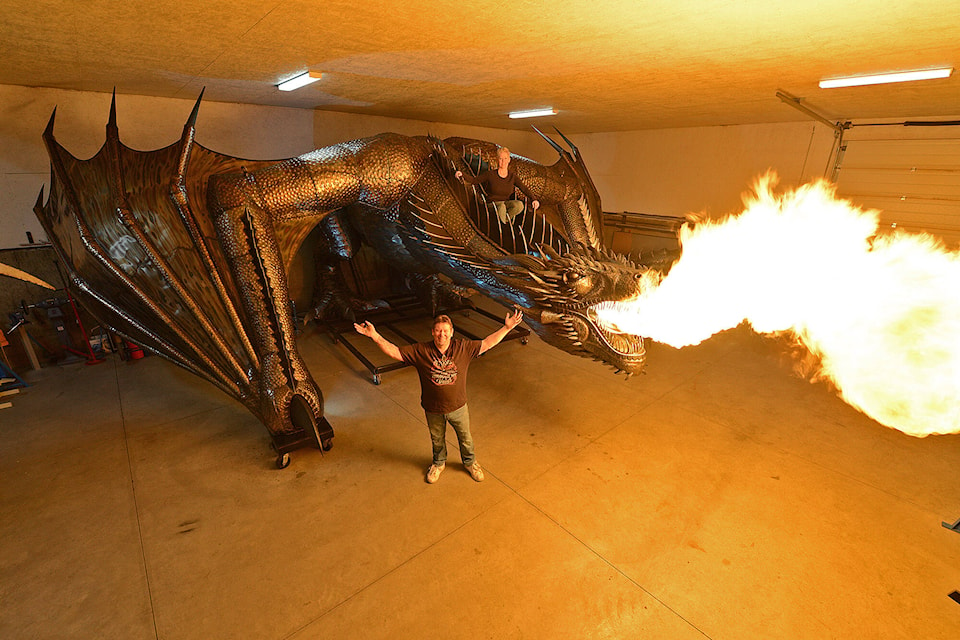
(184, 250)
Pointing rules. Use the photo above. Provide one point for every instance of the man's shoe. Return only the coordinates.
(433, 473)
(476, 472)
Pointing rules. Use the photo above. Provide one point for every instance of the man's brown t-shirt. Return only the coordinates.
(443, 377)
(499, 189)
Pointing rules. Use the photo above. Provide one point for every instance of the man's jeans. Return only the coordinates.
(460, 421)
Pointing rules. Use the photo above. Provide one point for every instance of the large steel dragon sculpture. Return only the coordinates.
(184, 250)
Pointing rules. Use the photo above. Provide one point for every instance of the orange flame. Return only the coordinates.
(881, 313)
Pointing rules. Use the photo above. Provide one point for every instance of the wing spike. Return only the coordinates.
(178, 191)
(186, 143)
(192, 120)
(48, 132)
(112, 130)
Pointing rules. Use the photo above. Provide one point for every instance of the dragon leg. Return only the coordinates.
(333, 299)
(261, 217)
(435, 294)
(289, 399)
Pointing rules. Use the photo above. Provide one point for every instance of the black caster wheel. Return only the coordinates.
(327, 444)
(283, 461)
(376, 379)
(524, 340)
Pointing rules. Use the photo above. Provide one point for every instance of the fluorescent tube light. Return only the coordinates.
(534, 113)
(898, 76)
(301, 80)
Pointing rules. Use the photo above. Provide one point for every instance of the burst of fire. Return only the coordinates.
(881, 313)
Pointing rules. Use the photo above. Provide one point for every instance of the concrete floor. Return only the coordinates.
(717, 496)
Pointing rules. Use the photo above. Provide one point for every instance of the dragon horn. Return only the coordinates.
(553, 144)
(573, 147)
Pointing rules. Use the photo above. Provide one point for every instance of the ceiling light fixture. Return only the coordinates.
(534, 113)
(882, 78)
(301, 80)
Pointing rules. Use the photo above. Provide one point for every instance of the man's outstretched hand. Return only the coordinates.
(365, 329)
(513, 319)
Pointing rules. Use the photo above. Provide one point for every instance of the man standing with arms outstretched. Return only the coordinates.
(442, 366)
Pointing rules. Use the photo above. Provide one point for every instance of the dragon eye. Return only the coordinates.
(577, 281)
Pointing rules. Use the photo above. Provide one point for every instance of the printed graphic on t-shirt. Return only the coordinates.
(443, 371)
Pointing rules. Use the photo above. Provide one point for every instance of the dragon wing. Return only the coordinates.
(142, 256)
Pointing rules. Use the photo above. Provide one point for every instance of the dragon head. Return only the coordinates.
(550, 261)
(569, 292)
(564, 296)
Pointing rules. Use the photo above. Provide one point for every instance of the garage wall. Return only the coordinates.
(910, 173)
(669, 173)
(703, 170)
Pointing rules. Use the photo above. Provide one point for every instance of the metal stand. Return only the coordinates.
(405, 308)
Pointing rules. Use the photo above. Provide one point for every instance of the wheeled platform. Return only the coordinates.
(284, 443)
